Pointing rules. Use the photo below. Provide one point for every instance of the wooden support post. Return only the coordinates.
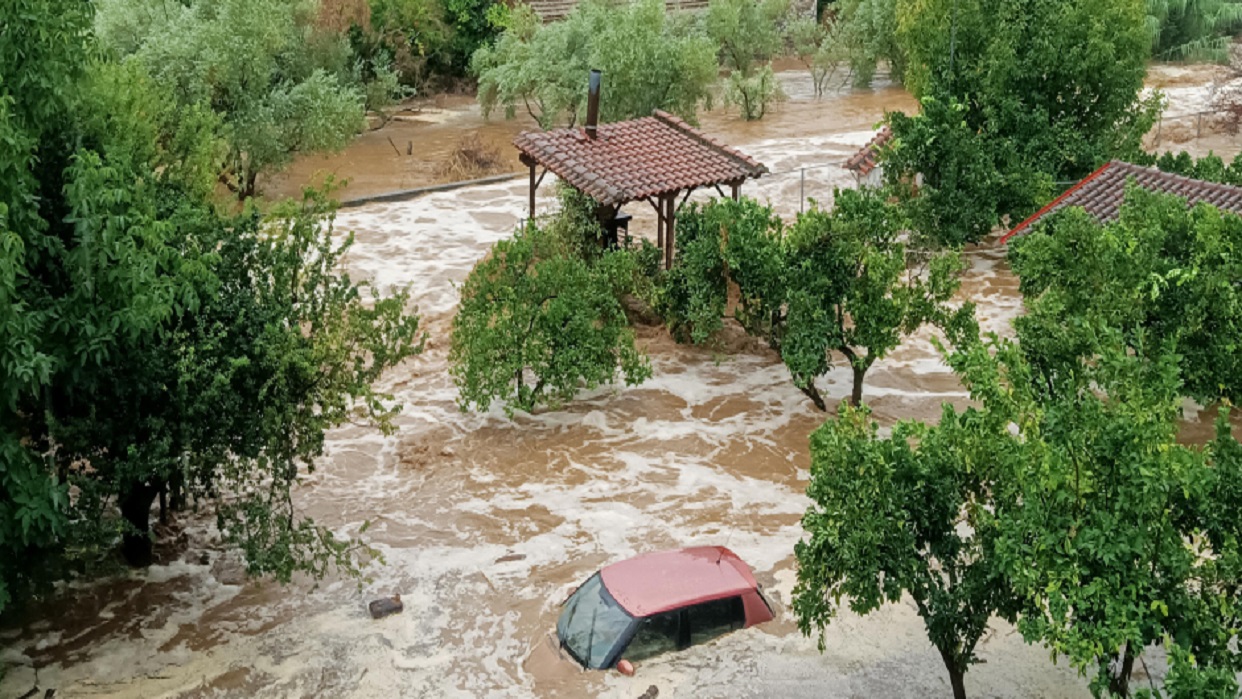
(659, 207)
(737, 191)
(670, 224)
(533, 186)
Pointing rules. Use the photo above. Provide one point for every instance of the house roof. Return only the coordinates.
(659, 582)
(866, 160)
(636, 159)
(1100, 193)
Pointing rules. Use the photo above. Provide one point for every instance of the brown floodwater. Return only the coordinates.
(485, 524)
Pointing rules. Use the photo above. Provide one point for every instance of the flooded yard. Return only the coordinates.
(485, 524)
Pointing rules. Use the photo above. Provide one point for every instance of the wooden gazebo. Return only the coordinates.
(657, 159)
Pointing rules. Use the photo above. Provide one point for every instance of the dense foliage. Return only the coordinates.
(1074, 512)
(650, 60)
(278, 85)
(1192, 29)
(1025, 94)
(749, 36)
(1164, 276)
(914, 513)
(153, 346)
(538, 323)
(841, 283)
(1210, 167)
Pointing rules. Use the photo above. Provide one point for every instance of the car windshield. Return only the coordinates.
(592, 624)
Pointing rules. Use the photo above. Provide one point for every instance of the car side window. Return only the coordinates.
(656, 634)
(712, 619)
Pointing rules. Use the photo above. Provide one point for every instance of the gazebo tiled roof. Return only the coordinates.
(637, 159)
(1100, 193)
(866, 159)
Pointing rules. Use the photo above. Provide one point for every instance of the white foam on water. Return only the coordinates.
(483, 536)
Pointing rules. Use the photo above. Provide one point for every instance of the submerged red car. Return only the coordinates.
(659, 602)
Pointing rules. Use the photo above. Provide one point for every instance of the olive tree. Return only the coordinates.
(650, 61)
(280, 86)
(749, 36)
(820, 48)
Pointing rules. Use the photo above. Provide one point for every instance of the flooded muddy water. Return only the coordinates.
(485, 524)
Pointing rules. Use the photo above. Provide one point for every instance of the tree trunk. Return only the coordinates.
(176, 492)
(957, 675)
(856, 395)
(136, 509)
(813, 393)
(1119, 684)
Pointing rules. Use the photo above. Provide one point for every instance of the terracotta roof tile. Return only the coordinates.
(1100, 193)
(636, 159)
(866, 160)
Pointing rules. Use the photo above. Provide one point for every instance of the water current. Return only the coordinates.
(485, 523)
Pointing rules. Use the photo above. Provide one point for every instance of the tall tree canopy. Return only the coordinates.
(650, 60)
(151, 344)
(1164, 276)
(1028, 93)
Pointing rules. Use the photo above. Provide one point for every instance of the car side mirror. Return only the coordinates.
(625, 667)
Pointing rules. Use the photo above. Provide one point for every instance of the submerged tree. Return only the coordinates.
(538, 323)
(1075, 513)
(912, 514)
(846, 283)
(749, 35)
(650, 60)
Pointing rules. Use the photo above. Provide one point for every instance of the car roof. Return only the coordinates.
(659, 582)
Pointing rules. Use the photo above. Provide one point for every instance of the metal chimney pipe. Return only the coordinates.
(592, 120)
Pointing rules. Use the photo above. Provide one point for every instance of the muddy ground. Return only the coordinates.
(485, 524)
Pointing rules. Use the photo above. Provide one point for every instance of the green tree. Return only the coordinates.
(280, 86)
(691, 297)
(538, 323)
(1075, 512)
(1048, 90)
(151, 344)
(820, 47)
(1164, 276)
(649, 61)
(1192, 29)
(1108, 546)
(749, 36)
(842, 283)
(912, 514)
(868, 30)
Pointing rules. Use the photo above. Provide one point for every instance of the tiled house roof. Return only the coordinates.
(1101, 193)
(866, 160)
(637, 159)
